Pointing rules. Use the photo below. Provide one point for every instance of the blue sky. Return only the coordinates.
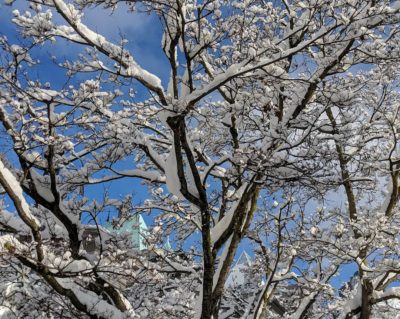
(142, 30)
(144, 34)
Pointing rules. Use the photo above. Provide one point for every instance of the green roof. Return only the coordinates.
(136, 226)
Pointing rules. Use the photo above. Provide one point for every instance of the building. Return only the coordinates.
(135, 229)
(240, 285)
(237, 276)
(243, 285)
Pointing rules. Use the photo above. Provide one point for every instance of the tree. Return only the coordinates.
(270, 108)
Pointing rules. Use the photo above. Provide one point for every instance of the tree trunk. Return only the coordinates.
(366, 305)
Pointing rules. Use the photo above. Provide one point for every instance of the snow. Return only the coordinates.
(394, 292)
(214, 168)
(74, 218)
(314, 231)
(115, 52)
(139, 137)
(218, 80)
(221, 261)
(240, 68)
(14, 221)
(185, 90)
(7, 241)
(303, 305)
(153, 176)
(8, 180)
(395, 5)
(178, 267)
(171, 174)
(42, 187)
(224, 223)
(95, 304)
(144, 140)
(388, 197)
(352, 303)
(43, 94)
(5, 313)
(78, 266)
(237, 276)
(170, 89)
